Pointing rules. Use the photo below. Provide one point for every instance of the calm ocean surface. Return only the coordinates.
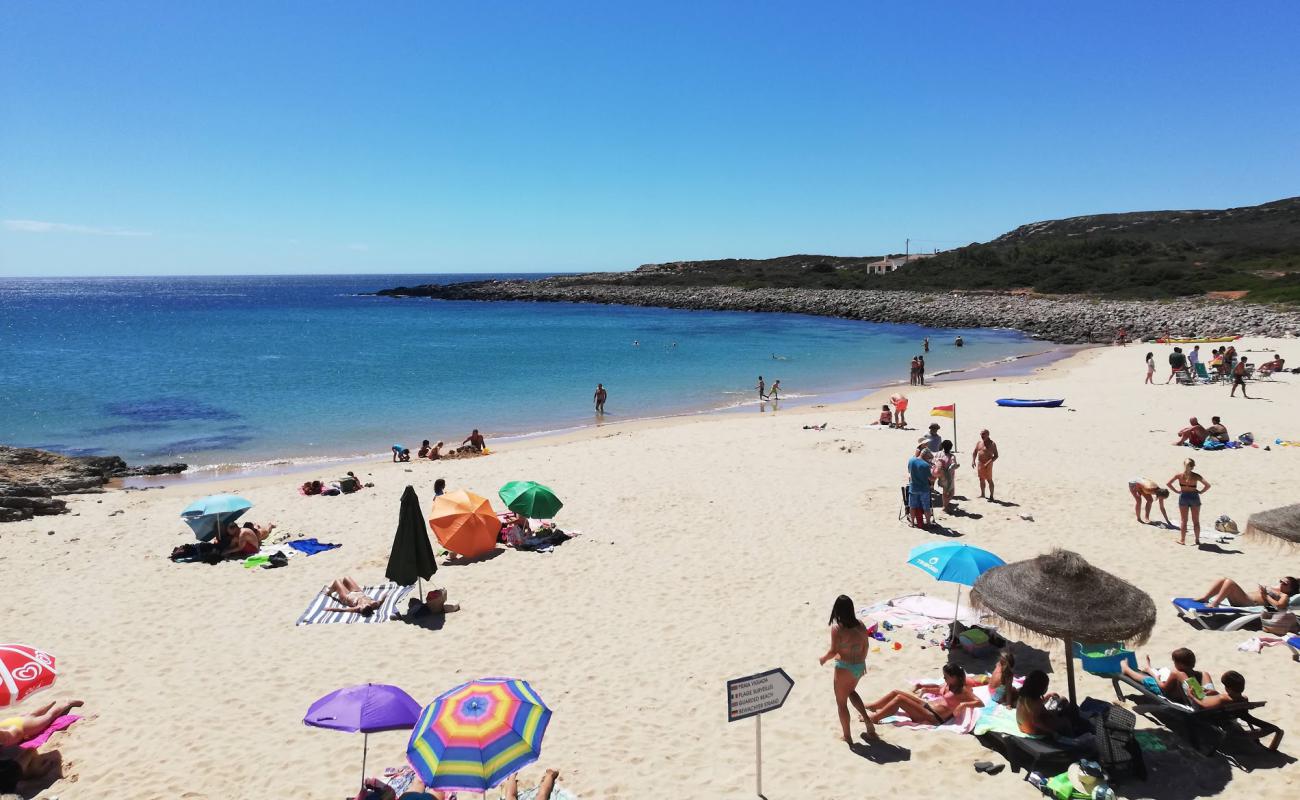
(244, 370)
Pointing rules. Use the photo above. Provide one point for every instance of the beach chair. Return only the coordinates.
(1203, 373)
(1207, 730)
(1217, 618)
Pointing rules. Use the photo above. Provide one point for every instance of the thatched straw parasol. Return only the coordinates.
(1059, 595)
(1281, 525)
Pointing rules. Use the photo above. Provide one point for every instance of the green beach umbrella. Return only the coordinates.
(531, 499)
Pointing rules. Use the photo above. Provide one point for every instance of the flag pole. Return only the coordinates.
(954, 427)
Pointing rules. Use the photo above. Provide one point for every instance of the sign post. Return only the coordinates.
(751, 696)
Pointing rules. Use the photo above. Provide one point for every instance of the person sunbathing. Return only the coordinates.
(516, 530)
(951, 700)
(1194, 434)
(354, 601)
(1001, 689)
(1234, 691)
(1231, 591)
(17, 729)
(886, 417)
(1269, 367)
(1217, 431)
(244, 541)
(1178, 684)
(1032, 712)
(1146, 489)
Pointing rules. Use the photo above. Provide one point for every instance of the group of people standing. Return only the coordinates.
(934, 465)
(1224, 362)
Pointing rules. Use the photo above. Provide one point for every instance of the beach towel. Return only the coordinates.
(399, 780)
(918, 612)
(1000, 719)
(317, 613)
(311, 546)
(962, 723)
(57, 725)
(1258, 644)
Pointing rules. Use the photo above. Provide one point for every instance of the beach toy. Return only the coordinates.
(1012, 402)
(898, 645)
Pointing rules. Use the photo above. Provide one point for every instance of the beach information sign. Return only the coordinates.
(750, 697)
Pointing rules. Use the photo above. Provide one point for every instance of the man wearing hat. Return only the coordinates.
(933, 441)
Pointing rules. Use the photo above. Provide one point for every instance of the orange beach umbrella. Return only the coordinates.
(465, 523)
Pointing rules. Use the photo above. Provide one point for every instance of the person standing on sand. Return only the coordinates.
(1194, 358)
(920, 370)
(1239, 378)
(1151, 367)
(1177, 363)
(599, 397)
(762, 388)
(945, 465)
(918, 487)
(849, 643)
(986, 452)
(911, 375)
(1190, 487)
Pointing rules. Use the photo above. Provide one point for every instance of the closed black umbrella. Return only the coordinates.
(412, 556)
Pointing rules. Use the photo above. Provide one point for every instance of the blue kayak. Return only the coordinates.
(1014, 403)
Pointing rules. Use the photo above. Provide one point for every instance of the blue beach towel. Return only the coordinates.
(311, 547)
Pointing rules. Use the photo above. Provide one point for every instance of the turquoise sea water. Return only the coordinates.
(241, 370)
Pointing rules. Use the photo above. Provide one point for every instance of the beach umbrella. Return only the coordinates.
(531, 499)
(1277, 525)
(475, 736)
(411, 559)
(961, 564)
(366, 709)
(1059, 595)
(465, 523)
(23, 671)
(208, 516)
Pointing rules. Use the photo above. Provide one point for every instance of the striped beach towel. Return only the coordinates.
(317, 613)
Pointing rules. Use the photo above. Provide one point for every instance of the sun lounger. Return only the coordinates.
(1206, 729)
(318, 612)
(1217, 618)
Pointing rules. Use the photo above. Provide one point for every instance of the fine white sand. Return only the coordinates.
(712, 548)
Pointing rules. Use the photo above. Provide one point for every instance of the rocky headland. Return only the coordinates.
(1067, 320)
(30, 480)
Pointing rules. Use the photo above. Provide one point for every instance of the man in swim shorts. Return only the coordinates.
(986, 452)
(599, 397)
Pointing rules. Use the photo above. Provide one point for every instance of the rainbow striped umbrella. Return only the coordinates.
(476, 735)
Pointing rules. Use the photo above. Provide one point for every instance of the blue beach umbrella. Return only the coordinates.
(207, 516)
(953, 563)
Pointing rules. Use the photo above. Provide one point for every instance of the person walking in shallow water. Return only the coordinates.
(849, 643)
(599, 397)
(762, 388)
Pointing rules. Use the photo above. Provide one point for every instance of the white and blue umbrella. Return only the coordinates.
(953, 563)
(208, 516)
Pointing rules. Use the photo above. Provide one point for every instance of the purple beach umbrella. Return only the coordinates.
(366, 708)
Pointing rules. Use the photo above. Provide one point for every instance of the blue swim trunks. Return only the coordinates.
(918, 498)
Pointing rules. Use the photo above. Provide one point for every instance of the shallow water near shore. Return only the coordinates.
(282, 370)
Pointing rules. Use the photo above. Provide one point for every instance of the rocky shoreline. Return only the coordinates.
(1067, 320)
(31, 479)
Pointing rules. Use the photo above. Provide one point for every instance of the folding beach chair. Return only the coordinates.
(902, 512)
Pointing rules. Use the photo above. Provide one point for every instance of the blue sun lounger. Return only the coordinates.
(1217, 618)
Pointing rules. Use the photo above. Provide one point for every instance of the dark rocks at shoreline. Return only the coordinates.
(1069, 320)
(30, 479)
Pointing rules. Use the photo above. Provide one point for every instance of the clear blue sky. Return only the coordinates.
(232, 137)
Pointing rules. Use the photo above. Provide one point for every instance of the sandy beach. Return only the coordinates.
(712, 547)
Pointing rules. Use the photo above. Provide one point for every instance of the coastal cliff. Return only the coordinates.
(1064, 320)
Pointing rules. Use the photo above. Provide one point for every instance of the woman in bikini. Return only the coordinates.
(1278, 599)
(849, 642)
(1190, 486)
(1032, 714)
(1146, 489)
(954, 697)
(18, 729)
(348, 592)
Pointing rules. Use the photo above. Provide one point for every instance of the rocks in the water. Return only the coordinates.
(1069, 320)
(30, 479)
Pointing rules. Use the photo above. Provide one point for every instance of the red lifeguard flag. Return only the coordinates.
(949, 411)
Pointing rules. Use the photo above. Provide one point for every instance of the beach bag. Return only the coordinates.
(349, 485)
(975, 641)
(1246, 439)
(1279, 623)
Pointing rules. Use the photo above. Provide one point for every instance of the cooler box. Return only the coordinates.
(1105, 658)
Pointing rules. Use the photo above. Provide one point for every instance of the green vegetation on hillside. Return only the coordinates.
(1148, 255)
